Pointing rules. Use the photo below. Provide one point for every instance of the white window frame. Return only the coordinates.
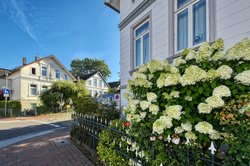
(43, 89)
(95, 79)
(30, 88)
(42, 71)
(58, 70)
(100, 83)
(66, 77)
(189, 6)
(141, 38)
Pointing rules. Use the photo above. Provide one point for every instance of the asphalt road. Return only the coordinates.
(16, 128)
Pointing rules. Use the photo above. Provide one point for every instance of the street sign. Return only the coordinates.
(6, 91)
(117, 97)
(6, 95)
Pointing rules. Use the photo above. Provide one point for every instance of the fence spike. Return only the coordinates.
(120, 145)
(187, 142)
(169, 139)
(212, 148)
(116, 124)
(127, 149)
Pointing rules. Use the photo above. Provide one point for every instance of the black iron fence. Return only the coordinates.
(92, 126)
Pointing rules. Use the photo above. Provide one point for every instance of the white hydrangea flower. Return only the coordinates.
(218, 45)
(174, 70)
(150, 76)
(204, 108)
(212, 74)
(239, 51)
(179, 61)
(143, 115)
(162, 123)
(174, 112)
(137, 74)
(137, 118)
(188, 98)
(243, 77)
(141, 82)
(144, 104)
(151, 97)
(175, 94)
(143, 68)
(154, 109)
(203, 52)
(190, 135)
(191, 55)
(172, 79)
(192, 75)
(187, 126)
(215, 135)
(225, 72)
(215, 101)
(176, 140)
(204, 127)
(178, 130)
(154, 65)
(222, 91)
(218, 56)
(161, 80)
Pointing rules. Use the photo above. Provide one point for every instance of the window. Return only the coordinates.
(58, 74)
(100, 83)
(65, 76)
(95, 82)
(95, 93)
(44, 71)
(44, 88)
(89, 82)
(33, 71)
(141, 44)
(191, 23)
(33, 89)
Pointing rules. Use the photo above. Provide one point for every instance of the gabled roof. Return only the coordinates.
(113, 4)
(114, 84)
(47, 57)
(87, 76)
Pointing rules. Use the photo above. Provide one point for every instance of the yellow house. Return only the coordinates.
(30, 79)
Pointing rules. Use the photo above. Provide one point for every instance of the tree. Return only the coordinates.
(62, 91)
(85, 66)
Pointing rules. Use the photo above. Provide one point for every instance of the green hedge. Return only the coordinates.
(14, 105)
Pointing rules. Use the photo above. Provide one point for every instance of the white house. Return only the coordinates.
(160, 29)
(96, 84)
(28, 80)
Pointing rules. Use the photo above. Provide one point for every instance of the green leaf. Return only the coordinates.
(200, 90)
(189, 92)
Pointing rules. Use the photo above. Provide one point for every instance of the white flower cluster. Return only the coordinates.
(215, 102)
(173, 112)
(137, 74)
(191, 55)
(154, 66)
(178, 130)
(218, 56)
(172, 79)
(143, 68)
(154, 109)
(203, 52)
(140, 82)
(179, 61)
(187, 126)
(190, 135)
(161, 80)
(192, 75)
(215, 135)
(151, 97)
(204, 127)
(175, 94)
(241, 50)
(243, 78)
(225, 72)
(212, 74)
(161, 124)
(222, 91)
(144, 104)
(204, 108)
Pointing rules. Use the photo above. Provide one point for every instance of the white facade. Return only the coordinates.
(227, 19)
(29, 80)
(96, 85)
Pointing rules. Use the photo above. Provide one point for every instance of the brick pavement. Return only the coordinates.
(54, 149)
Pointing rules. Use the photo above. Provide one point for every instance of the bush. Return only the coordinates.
(14, 105)
(182, 105)
(89, 106)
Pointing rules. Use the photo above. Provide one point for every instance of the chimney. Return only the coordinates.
(37, 57)
(24, 61)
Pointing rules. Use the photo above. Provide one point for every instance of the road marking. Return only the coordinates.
(51, 124)
(14, 140)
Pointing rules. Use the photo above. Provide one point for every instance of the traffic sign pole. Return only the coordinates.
(5, 104)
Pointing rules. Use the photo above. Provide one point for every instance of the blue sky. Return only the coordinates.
(65, 28)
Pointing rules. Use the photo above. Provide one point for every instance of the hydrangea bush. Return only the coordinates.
(179, 104)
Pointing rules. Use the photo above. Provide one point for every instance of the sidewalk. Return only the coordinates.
(54, 149)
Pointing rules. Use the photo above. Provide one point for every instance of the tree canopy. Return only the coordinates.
(86, 66)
